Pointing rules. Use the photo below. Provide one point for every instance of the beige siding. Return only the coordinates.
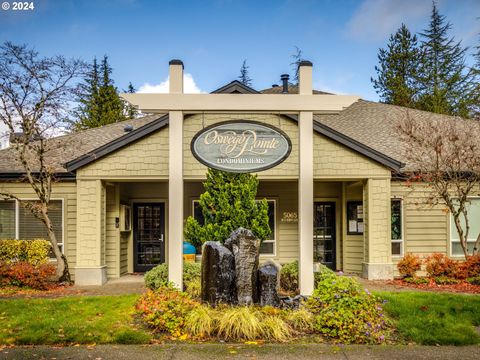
(378, 221)
(193, 124)
(61, 190)
(332, 160)
(425, 226)
(146, 158)
(353, 245)
(112, 233)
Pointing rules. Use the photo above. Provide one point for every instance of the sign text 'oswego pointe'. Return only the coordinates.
(241, 146)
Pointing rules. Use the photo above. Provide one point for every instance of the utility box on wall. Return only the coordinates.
(125, 218)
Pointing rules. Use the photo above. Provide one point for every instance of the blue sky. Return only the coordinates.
(212, 38)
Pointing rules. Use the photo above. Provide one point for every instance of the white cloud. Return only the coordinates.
(376, 19)
(189, 86)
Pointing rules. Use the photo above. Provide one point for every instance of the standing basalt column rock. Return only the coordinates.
(218, 274)
(245, 248)
(268, 278)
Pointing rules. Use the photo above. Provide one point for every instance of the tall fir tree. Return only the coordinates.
(297, 59)
(130, 111)
(99, 101)
(396, 80)
(444, 79)
(244, 77)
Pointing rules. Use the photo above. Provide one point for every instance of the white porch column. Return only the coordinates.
(305, 185)
(175, 182)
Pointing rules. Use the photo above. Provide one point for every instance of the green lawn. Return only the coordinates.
(425, 318)
(84, 320)
(433, 318)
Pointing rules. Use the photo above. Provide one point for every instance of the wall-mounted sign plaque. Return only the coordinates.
(241, 146)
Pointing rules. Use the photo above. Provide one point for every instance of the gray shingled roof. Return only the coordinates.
(69, 147)
(292, 89)
(373, 125)
(376, 125)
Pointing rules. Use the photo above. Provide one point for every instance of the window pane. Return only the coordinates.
(197, 213)
(271, 219)
(396, 219)
(267, 248)
(397, 248)
(7, 219)
(473, 209)
(32, 228)
(457, 248)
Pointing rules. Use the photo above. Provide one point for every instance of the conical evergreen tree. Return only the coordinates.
(130, 111)
(244, 77)
(396, 80)
(227, 204)
(444, 79)
(99, 101)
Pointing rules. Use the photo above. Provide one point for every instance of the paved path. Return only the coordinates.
(224, 351)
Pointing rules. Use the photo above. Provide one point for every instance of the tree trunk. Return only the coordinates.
(63, 273)
(477, 245)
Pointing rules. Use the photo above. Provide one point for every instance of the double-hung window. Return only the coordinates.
(397, 226)
(17, 222)
(473, 211)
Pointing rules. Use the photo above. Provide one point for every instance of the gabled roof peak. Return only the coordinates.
(235, 87)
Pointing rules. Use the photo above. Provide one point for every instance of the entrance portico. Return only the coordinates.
(304, 105)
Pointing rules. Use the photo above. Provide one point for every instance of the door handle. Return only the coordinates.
(161, 238)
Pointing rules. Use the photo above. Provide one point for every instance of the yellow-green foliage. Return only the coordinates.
(274, 328)
(240, 323)
(201, 322)
(194, 288)
(301, 320)
(34, 252)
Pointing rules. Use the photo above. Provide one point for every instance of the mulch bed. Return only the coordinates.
(14, 292)
(462, 287)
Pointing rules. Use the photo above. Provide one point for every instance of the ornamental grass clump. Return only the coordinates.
(201, 322)
(240, 324)
(165, 309)
(345, 312)
(276, 329)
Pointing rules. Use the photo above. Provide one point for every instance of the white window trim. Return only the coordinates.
(273, 241)
(17, 218)
(402, 219)
(452, 227)
(274, 231)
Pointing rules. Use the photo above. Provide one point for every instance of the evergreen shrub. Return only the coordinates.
(347, 313)
(229, 202)
(158, 276)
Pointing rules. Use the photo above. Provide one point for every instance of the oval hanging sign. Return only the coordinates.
(241, 146)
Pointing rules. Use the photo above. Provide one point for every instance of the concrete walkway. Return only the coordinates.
(128, 284)
(224, 351)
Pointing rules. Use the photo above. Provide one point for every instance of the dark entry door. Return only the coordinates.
(148, 235)
(324, 240)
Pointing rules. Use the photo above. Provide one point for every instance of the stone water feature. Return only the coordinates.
(230, 272)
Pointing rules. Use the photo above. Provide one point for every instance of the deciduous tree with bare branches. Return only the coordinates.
(35, 96)
(444, 153)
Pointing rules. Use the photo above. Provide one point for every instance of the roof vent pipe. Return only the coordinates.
(284, 78)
